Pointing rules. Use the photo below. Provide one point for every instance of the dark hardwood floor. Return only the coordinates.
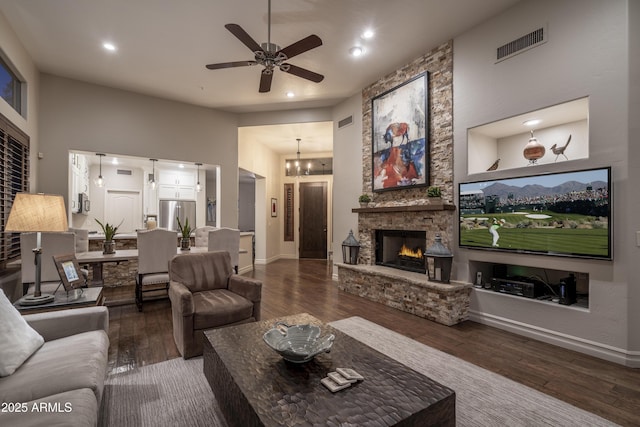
(290, 286)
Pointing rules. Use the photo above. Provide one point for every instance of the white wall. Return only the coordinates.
(631, 247)
(584, 56)
(347, 172)
(82, 116)
(16, 54)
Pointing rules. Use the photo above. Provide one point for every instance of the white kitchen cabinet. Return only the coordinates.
(177, 185)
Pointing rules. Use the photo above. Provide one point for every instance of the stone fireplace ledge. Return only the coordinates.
(405, 208)
(446, 303)
(407, 276)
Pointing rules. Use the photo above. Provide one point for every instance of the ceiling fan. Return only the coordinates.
(270, 56)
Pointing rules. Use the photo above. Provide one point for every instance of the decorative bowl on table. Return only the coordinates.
(297, 343)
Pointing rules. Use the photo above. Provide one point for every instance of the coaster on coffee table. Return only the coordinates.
(349, 374)
(332, 385)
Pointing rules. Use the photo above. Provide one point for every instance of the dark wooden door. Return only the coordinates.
(313, 220)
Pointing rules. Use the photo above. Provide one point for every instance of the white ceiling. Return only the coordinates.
(164, 45)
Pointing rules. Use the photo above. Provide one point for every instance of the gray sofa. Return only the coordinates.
(61, 384)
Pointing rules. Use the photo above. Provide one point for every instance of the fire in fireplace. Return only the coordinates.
(402, 249)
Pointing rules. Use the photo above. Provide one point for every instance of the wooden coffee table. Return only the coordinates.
(254, 386)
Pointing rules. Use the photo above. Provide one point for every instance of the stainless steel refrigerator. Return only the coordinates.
(172, 209)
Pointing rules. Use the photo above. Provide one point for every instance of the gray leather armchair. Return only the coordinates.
(205, 294)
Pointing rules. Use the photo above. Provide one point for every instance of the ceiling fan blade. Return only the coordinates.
(301, 46)
(265, 81)
(302, 72)
(245, 38)
(230, 64)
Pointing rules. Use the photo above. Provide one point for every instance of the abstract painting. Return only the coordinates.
(399, 132)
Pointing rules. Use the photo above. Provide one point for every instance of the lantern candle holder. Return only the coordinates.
(438, 261)
(350, 249)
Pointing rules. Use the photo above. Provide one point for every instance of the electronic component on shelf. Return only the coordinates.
(518, 286)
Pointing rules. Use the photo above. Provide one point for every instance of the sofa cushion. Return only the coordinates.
(18, 340)
(219, 307)
(71, 408)
(69, 363)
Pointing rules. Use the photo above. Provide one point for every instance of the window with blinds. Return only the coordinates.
(14, 178)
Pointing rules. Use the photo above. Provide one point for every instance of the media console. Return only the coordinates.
(554, 286)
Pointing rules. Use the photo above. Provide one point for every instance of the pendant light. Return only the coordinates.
(198, 186)
(99, 181)
(152, 180)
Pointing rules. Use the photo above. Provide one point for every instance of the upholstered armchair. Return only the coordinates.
(205, 294)
(155, 248)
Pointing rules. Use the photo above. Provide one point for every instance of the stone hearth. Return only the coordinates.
(407, 291)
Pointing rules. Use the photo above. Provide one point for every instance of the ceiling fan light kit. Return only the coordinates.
(271, 56)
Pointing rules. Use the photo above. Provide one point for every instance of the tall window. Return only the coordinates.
(10, 87)
(14, 178)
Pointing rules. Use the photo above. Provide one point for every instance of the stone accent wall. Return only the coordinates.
(447, 304)
(404, 209)
(439, 64)
(117, 274)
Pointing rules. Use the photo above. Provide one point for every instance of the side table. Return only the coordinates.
(90, 297)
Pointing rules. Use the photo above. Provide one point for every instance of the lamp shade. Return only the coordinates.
(37, 212)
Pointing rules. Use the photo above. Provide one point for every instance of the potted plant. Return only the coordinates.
(364, 200)
(435, 195)
(185, 231)
(109, 231)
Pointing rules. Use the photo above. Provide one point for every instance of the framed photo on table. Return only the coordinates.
(69, 271)
(399, 132)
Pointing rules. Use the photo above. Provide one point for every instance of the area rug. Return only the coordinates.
(176, 393)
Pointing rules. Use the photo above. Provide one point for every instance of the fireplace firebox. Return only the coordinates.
(401, 249)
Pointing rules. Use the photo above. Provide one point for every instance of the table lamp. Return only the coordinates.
(37, 212)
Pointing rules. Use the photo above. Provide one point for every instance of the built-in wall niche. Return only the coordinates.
(533, 283)
(562, 129)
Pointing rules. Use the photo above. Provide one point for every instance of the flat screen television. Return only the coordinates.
(560, 214)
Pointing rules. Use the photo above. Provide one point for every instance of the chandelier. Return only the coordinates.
(297, 170)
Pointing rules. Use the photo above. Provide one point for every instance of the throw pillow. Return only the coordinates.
(18, 340)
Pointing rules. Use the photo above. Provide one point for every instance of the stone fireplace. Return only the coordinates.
(407, 215)
(401, 249)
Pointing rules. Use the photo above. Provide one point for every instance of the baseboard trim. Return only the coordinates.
(581, 345)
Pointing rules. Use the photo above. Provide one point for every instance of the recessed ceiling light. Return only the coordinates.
(356, 51)
(181, 166)
(368, 34)
(531, 122)
(290, 94)
(114, 161)
(109, 46)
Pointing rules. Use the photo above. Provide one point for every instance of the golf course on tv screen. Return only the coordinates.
(563, 214)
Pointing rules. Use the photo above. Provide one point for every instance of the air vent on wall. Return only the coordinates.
(526, 42)
(123, 172)
(345, 122)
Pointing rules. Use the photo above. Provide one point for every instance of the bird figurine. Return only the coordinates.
(494, 166)
(560, 150)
